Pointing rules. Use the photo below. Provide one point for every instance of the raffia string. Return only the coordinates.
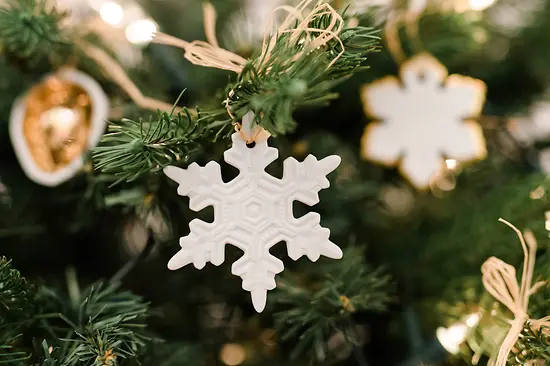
(396, 18)
(295, 14)
(499, 279)
(209, 54)
(296, 23)
(392, 39)
(112, 68)
(108, 64)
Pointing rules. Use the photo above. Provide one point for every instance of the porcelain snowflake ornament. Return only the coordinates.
(254, 212)
(424, 118)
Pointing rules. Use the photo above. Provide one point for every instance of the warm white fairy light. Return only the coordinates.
(451, 338)
(547, 223)
(141, 31)
(451, 164)
(472, 320)
(479, 5)
(111, 13)
(233, 354)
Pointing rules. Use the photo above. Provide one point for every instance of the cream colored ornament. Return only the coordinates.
(245, 29)
(423, 119)
(55, 123)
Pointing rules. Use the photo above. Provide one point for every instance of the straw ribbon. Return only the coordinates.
(295, 25)
(499, 279)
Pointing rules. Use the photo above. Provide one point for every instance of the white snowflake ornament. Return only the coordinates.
(423, 119)
(254, 212)
(535, 127)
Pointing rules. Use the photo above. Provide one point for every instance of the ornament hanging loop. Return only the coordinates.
(249, 130)
(409, 18)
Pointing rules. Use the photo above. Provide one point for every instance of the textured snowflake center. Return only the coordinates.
(253, 209)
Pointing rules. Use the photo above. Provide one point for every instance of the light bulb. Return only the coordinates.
(233, 354)
(451, 338)
(451, 164)
(111, 13)
(478, 5)
(472, 320)
(141, 31)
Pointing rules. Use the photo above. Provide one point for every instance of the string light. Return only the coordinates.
(141, 31)
(451, 338)
(233, 354)
(111, 13)
(478, 5)
(451, 164)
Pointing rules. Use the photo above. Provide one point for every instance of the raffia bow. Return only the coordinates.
(499, 279)
(296, 25)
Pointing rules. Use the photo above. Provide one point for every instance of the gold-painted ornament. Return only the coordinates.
(423, 119)
(55, 123)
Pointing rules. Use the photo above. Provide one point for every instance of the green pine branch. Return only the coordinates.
(15, 292)
(30, 30)
(533, 345)
(101, 325)
(273, 90)
(133, 148)
(321, 309)
(15, 309)
(8, 356)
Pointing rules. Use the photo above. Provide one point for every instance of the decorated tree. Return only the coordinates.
(382, 140)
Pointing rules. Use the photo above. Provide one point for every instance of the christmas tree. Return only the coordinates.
(274, 182)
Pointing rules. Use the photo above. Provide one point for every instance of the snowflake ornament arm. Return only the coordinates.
(468, 142)
(254, 212)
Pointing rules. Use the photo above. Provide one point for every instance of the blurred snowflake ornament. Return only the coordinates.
(534, 129)
(510, 16)
(245, 29)
(254, 212)
(378, 9)
(423, 119)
